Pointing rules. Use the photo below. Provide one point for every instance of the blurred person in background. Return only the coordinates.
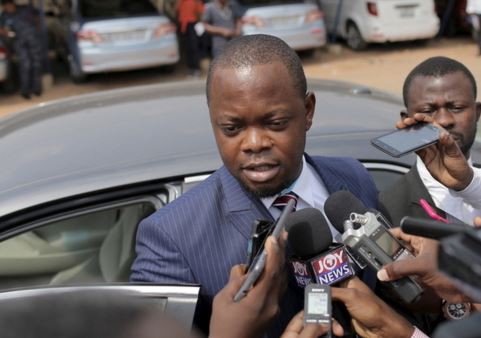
(473, 9)
(20, 25)
(189, 13)
(222, 21)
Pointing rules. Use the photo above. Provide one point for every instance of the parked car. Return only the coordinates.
(367, 21)
(106, 36)
(79, 174)
(298, 23)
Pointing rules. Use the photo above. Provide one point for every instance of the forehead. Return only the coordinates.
(253, 81)
(450, 86)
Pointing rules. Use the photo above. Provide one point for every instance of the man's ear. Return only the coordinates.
(310, 106)
(403, 113)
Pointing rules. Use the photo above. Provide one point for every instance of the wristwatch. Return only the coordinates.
(455, 311)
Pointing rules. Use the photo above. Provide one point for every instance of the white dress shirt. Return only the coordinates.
(464, 205)
(311, 191)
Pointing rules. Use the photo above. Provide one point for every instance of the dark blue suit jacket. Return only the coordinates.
(201, 235)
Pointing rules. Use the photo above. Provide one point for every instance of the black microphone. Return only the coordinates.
(432, 229)
(315, 259)
(369, 238)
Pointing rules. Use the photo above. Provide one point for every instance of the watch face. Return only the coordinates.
(457, 310)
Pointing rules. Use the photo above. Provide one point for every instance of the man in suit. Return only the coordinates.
(442, 91)
(439, 90)
(260, 111)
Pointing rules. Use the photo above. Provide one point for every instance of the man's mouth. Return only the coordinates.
(260, 172)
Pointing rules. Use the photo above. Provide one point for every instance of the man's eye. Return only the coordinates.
(278, 123)
(457, 108)
(427, 111)
(230, 129)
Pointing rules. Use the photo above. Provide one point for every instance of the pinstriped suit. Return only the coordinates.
(201, 235)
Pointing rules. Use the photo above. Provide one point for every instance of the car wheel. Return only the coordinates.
(76, 74)
(354, 38)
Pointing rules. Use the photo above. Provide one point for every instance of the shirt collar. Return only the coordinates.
(301, 187)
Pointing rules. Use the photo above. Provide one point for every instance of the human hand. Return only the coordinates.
(371, 317)
(298, 329)
(424, 266)
(444, 160)
(227, 33)
(250, 317)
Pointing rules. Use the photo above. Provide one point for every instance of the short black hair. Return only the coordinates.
(437, 66)
(259, 49)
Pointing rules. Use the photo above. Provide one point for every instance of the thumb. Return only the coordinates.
(397, 270)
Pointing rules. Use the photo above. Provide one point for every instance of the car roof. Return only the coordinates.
(138, 134)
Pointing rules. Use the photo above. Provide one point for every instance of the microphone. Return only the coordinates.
(369, 238)
(315, 259)
(432, 229)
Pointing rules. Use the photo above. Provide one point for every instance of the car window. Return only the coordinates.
(94, 246)
(115, 8)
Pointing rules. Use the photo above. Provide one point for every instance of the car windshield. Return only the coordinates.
(115, 8)
(249, 3)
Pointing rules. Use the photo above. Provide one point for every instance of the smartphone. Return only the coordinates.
(260, 231)
(403, 141)
(259, 262)
(317, 304)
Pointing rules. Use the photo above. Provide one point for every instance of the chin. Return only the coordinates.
(263, 190)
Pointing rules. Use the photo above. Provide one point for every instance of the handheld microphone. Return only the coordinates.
(369, 238)
(432, 229)
(315, 259)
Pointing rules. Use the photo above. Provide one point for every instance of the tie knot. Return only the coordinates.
(282, 200)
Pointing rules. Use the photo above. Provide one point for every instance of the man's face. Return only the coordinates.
(450, 101)
(260, 122)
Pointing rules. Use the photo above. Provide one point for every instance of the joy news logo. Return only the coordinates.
(332, 267)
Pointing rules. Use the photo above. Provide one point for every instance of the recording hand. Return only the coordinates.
(297, 329)
(424, 266)
(444, 160)
(371, 317)
(251, 316)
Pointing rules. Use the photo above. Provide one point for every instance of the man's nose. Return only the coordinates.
(256, 140)
(444, 117)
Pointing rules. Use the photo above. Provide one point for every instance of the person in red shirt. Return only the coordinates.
(189, 13)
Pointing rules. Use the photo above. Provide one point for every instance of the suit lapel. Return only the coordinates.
(418, 191)
(331, 181)
(241, 208)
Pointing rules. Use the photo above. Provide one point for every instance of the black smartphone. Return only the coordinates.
(403, 141)
(259, 262)
(260, 231)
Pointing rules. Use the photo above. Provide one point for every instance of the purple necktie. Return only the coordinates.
(282, 200)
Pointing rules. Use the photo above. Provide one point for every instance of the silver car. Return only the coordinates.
(107, 36)
(79, 174)
(299, 24)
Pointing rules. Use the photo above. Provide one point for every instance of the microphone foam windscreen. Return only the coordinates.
(339, 206)
(309, 233)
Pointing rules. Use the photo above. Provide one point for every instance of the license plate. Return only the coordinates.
(124, 36)
(406, 12)
(285, 20)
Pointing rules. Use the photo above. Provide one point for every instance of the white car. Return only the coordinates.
(361, 22)
(299, 24)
